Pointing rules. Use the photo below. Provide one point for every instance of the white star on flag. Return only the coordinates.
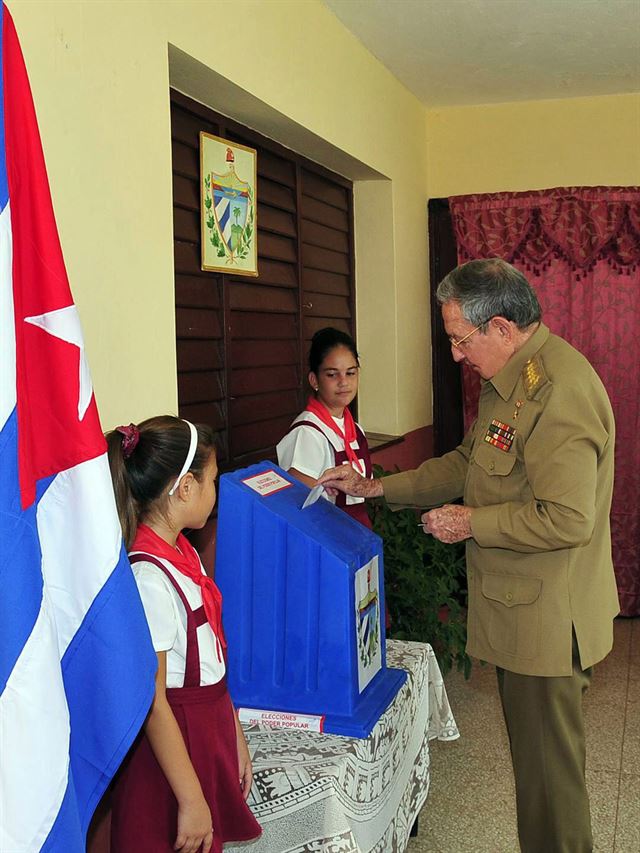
(64, 323)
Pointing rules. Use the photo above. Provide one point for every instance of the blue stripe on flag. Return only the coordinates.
(21, 584)
(66, 833)
(109, 637)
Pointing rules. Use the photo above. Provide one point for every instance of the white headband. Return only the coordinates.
(193, 446)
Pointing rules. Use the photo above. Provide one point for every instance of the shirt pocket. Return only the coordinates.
(511, 604)
(487, 476)
(495, 463)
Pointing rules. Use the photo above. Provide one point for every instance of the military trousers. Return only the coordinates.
(546, 733)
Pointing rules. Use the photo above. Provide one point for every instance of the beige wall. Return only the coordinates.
(100, 77)
(534, 145)
(100, 74)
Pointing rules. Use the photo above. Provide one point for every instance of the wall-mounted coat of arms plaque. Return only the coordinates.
(228, 206)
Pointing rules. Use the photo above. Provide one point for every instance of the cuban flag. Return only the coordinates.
(76, 662)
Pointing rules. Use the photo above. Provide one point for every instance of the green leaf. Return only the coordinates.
(423, 576)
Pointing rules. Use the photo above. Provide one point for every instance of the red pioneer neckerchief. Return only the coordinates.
(185, 559)
(349, 434)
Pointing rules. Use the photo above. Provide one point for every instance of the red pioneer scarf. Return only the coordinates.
(185, 559)
(349, 434)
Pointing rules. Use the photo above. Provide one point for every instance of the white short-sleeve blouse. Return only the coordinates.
(312, 452)
(168, 622)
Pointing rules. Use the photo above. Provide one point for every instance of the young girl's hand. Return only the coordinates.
(194, 827)
(245, 768)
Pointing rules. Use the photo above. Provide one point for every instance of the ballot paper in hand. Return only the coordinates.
(313, 495)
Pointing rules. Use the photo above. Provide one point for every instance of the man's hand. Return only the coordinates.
(448, 523)
(346, 479)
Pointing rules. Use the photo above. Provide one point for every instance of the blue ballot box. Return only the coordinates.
(303, 604)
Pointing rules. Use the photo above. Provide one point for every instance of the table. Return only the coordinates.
(321, 793)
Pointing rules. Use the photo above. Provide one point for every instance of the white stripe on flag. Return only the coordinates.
(7, 323)
(80, 540)
(34, 745)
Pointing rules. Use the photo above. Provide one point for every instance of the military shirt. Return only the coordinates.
(537, 469)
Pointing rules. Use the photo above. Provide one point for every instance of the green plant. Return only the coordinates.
(425, 584)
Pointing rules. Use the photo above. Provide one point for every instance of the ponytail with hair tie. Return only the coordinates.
(130, 437)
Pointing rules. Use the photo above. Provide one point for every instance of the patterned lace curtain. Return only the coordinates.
(580, 249)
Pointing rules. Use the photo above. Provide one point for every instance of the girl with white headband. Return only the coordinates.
(184, 784)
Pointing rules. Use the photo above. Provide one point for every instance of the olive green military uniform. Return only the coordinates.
(537, 468)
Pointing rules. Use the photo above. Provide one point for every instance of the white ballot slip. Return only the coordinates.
(313, 496)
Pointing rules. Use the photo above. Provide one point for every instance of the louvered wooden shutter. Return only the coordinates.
(242, 342)
(327, 265)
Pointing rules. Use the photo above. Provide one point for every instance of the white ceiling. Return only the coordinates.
(453, 52)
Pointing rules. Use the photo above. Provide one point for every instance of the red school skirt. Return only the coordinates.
(145, 811)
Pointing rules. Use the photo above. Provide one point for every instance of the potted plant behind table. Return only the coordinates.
(425, 584)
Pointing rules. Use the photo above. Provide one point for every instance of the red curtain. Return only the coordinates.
(580, 249)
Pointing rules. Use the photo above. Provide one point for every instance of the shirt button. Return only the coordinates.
(492, 466)
(509, 596)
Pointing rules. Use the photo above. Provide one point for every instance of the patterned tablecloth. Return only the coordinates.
(321, 793)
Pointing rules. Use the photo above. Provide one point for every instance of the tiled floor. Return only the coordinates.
(471, 807)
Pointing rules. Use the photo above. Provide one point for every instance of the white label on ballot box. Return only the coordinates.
(367, 624)
(267, 483)
(281, 719)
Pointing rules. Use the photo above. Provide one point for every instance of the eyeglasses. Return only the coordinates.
(458, 344)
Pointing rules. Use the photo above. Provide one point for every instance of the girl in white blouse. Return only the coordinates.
(184, 784)
(325, 434)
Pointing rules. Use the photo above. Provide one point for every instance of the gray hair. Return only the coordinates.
(490, 288)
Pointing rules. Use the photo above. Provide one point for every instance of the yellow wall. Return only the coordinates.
(99, 71)
(534, 145)
(100, 77)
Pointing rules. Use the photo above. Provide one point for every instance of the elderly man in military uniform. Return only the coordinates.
(536, 475)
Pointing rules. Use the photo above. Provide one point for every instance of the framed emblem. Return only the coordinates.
(228, 206)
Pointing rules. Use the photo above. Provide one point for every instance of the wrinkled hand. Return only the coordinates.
(245, 768)
(448, 523)
(346, 479)
(194, 827)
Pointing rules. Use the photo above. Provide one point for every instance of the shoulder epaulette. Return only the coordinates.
(533, 376)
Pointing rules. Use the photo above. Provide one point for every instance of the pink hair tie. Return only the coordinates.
(130, 438)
